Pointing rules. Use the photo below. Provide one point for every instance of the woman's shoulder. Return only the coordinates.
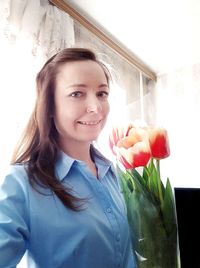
(17, 170)
(14, 175)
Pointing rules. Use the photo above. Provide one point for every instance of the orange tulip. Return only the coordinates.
(135, 156)
(135, 135)
(159, 143)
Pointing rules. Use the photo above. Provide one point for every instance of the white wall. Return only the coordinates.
(178, 109)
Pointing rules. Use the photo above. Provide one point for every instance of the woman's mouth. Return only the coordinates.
(89, 123)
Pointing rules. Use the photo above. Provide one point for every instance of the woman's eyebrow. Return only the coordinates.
(77, 85)
(84, 85)
(103, 85)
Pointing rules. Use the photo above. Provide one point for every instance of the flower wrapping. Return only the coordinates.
(150, 204)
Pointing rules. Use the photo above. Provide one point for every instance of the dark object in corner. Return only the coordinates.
(188, 207)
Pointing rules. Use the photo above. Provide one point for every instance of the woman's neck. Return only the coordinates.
(81, 152)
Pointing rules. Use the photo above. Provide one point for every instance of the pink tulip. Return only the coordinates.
(117, 134)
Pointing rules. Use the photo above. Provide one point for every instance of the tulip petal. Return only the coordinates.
(127, 142)
(118, 133)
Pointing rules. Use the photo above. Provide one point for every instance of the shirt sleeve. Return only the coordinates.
(14, 231)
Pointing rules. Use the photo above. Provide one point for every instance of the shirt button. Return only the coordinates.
(118, 265)
(118, 237)
(108, 210)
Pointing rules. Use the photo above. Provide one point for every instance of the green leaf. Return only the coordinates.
(168, 209)
(153, 181)
(145, 175)
(148, 234)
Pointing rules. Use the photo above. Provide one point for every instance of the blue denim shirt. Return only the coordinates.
(56, 237)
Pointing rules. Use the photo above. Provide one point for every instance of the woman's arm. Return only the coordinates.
(14, 231)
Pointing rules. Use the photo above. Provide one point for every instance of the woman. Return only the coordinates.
(61, 200)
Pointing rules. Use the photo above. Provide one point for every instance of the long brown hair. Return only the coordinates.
(38, 146)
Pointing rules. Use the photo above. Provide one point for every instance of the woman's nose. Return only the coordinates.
(93, 106)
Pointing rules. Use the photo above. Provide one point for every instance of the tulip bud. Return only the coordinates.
(159, 143)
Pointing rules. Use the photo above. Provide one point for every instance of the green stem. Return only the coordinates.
(159, 182)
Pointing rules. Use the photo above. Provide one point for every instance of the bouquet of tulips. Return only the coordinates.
(150, 204)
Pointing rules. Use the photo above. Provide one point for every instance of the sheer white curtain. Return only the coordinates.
(37, 21)
(30, 31)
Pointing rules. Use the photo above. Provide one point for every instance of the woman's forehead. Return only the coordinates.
(81, 70)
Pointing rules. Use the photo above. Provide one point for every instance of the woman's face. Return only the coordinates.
(81, 101)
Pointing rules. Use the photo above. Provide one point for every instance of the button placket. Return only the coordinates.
(112, 219)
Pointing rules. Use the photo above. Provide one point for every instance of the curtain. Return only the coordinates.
(30, 32)
(44, 25)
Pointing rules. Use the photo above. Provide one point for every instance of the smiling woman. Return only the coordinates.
(61, 194)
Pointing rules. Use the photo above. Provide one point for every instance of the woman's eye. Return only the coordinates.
(103, 94)
(76, 94)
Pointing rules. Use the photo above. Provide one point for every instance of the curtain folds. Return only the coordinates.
(30, 32)
(47, 27)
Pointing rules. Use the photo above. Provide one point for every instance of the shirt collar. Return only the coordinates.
(64, 163)
(102, 163)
